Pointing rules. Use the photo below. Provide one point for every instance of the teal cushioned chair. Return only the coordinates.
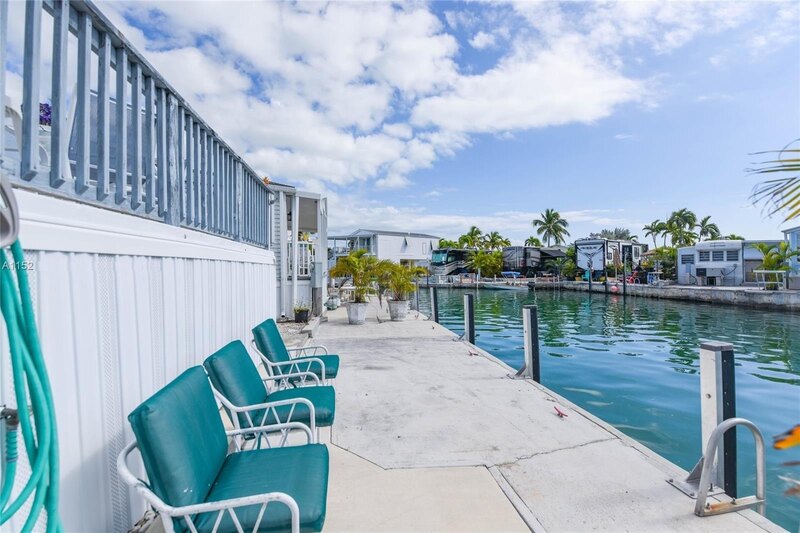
(243, 393)
(193, 480)
(277, 359)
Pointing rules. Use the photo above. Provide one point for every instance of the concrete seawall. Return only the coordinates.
(752, 297)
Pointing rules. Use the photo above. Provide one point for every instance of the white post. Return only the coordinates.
(283, 249)
(295, 245)
(716, 403)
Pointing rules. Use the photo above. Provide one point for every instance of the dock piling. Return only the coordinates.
(530, 321)
(469, 318)
(718, 403)
(434, 305)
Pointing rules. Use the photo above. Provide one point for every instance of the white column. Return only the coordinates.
(295, 247)
(283, 250)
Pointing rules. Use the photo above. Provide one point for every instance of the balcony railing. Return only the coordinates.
(305, 259)
(151, 156)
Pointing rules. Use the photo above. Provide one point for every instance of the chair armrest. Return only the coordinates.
(268, 407)
(188, 512)
(302, 350)
(305, 375)
(287, 368)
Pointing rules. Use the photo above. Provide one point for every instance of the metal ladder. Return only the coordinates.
(700, 476)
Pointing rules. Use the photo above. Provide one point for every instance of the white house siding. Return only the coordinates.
(115, 327)
(394, 247)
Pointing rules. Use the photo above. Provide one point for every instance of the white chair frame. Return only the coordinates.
(222, 507)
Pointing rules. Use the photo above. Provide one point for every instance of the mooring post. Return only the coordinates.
(718, 403)
(416, 295)
(469, 318)
(530, 331)
(434, 305)
(624, 275)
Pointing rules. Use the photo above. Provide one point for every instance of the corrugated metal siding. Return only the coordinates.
(114, 329)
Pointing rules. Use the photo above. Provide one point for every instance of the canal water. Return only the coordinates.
(634, 363)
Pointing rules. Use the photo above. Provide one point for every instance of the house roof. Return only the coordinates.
(363, 232)
(787, 231)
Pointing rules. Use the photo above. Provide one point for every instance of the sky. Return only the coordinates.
(438, 116)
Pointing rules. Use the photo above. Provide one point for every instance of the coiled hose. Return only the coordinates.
(30, 378)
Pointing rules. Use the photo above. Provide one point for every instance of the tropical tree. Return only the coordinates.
(706, 228)
(683, 217)
(495, 241)
(486, 263)
(654, 229)
(782, 191)
(775, 256)
(533, 241)
(362, 268)
(616, 234)
(551, 227)
(471, 239)
(733, 237)
(447, 243)
(680, 225)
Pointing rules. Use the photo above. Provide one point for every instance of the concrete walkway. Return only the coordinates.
(445, 428)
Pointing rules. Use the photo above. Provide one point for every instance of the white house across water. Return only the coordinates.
(405, 248)
(719, 262)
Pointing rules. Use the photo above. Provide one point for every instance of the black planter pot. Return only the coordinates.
(301, 317)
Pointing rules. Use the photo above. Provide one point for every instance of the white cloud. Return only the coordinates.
(344, 93)
(623, 136)
(482, 40)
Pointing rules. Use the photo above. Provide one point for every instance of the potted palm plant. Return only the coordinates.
(400, 281)
(361, 268)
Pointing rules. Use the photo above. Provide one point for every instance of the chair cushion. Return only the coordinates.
(323, 398)
(181, 438)
(233, 374)
(269, 341)
(299, 471)
(331, 362)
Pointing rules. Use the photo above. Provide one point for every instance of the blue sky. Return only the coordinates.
(435, 116)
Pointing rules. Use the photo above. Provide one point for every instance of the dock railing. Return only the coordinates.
(120, 137)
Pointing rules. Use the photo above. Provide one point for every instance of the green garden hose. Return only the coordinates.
(30, 378)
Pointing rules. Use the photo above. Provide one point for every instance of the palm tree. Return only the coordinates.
(551, 226)
(733, 237)
(486, 263)
(472, 238)
(360, 266)
(495, 241)
(680, 225)
(447, 243)
(653, 230)
(782, 192)
(706, 228)
(775, 256)
(533, 241)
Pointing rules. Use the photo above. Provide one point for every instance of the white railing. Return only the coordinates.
(153, 157)
(305, 258)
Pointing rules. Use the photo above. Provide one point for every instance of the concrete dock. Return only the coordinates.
(432, 434)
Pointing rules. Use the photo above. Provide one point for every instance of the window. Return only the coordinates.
(610, 255)
(637, 250)
(703, 256)
(687, 259)
(718, 255)
(733, 255)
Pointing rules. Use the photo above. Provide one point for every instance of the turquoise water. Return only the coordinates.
(634, 363)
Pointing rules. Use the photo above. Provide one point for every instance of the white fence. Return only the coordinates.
(123, 305)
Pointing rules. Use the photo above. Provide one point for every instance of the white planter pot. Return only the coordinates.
(398, 309)
(356, 313)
